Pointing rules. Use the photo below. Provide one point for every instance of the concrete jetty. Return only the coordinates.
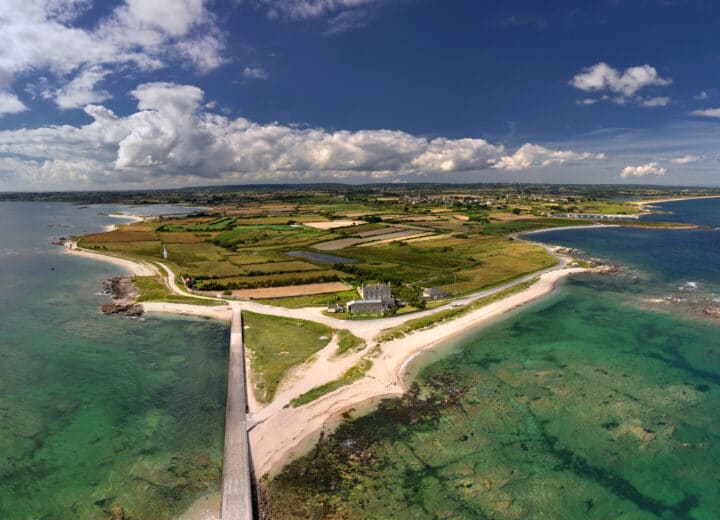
(237, 474)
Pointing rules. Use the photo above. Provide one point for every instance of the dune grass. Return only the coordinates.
(348, 342)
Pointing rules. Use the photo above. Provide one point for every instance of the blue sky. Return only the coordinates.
(141, 93)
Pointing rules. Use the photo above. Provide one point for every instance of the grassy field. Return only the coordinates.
(276, 345)
(314, 300)
(350, 376)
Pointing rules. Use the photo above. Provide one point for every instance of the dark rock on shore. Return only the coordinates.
(131, 310)
(124, 294)
(568, 251)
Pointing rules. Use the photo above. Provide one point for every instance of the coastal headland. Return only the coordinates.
(279, 432)
(498, 270)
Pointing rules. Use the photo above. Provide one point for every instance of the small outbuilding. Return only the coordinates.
(335, 307)
(434, 293)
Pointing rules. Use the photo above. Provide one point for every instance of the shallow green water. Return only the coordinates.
(591, 404)
(97, 412)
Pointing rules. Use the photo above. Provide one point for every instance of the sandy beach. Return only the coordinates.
(131, 266)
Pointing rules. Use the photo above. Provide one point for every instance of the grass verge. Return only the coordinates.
(353, 374)
(153, 290)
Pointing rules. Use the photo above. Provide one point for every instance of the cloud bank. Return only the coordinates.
(175, 138)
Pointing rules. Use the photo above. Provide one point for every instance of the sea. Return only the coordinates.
(600, 401)
(100, 416)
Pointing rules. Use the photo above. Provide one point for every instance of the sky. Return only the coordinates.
(134, 94)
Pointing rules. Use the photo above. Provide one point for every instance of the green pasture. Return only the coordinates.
(276, 345)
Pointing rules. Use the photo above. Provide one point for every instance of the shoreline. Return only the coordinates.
(644, 203)
(279, 435)
(134, 267)
(280, 438)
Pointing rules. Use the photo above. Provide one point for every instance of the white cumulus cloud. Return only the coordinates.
(174, 138)
(10, 103)
(651, 168)
(707, 112)
(81, 90)
(686, 159)
(41, 35)
(601, 77)
(534, 156)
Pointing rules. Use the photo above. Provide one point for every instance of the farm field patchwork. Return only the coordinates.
(317, 252)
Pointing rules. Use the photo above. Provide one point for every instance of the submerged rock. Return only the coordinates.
(713, 312)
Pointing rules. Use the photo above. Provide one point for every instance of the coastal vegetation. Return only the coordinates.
(348, 342)
(276, 345)
(355, 373)
(152, 289)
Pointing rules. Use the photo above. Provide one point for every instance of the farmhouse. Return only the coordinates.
(377, 291)
(366, 307)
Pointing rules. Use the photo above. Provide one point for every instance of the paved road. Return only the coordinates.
(237, 477)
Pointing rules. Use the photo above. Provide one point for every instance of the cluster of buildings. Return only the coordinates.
(377, 298)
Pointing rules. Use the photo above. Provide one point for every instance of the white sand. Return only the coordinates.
(217, 312)
(135, 268)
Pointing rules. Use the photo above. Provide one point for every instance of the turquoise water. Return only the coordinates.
(601, 401)
(97, 413)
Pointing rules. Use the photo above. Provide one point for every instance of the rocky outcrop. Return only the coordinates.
(124, 294)
(568, 251)
(713, 312)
